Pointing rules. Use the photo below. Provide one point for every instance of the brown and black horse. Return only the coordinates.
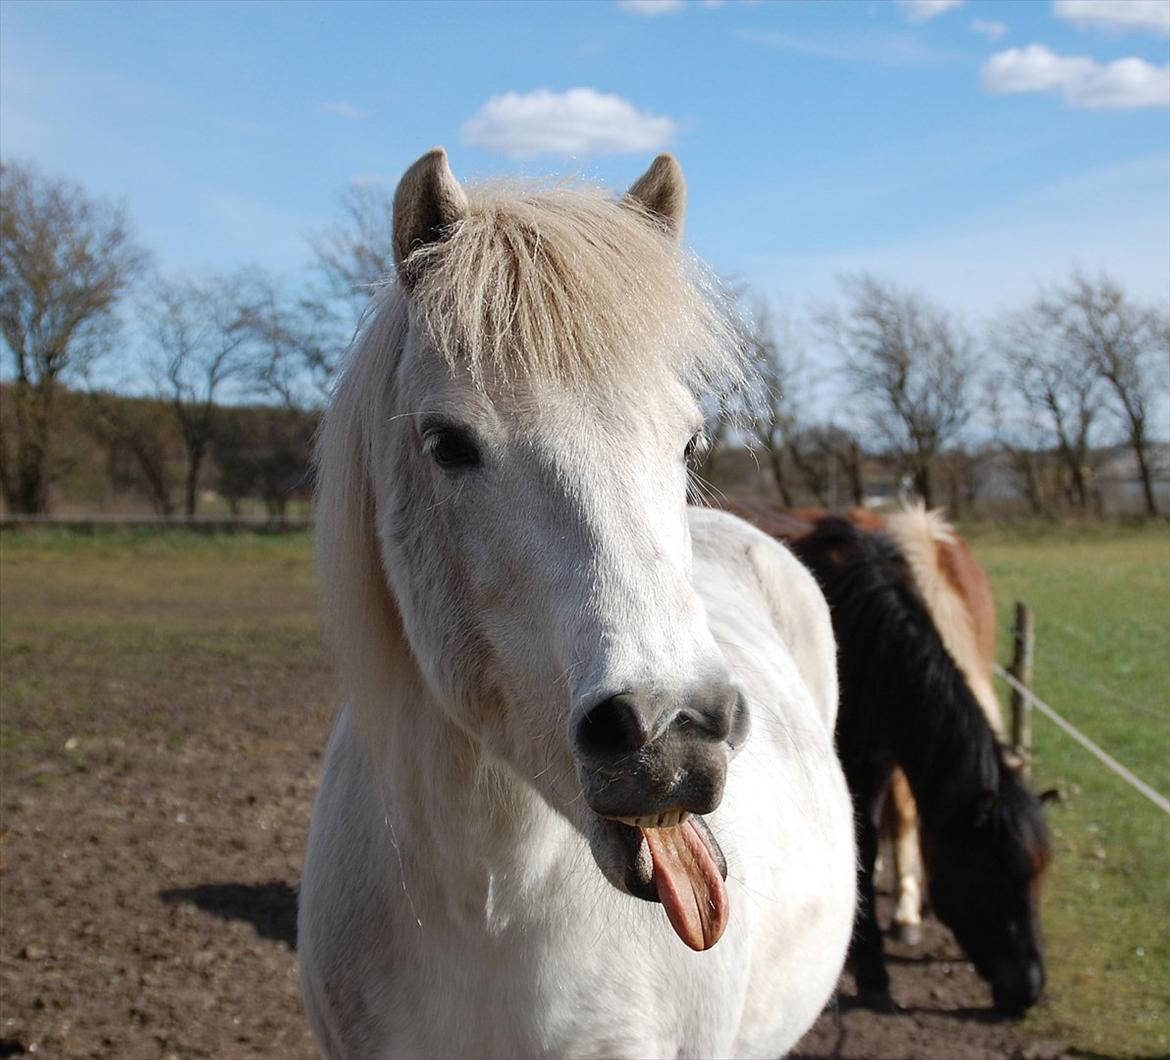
(911, 701)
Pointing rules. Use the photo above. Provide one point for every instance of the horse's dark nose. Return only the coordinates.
(628, 721)
(1021, 992)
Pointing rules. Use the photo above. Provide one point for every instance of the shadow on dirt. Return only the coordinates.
(271, 908)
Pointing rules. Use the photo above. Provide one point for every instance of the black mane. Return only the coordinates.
(903, 697)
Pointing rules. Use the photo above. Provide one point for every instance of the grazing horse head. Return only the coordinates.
(985, 871)
(503, 498)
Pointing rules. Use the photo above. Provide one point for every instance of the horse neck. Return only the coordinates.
(940, 737)
(459, 819)
(903, 695)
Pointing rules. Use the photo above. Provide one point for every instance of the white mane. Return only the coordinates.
(554, 282)
(918, 532)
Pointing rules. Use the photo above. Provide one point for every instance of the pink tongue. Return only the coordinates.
(689, 885)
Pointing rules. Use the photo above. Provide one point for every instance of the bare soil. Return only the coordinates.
(156, 792)
(943, 1010)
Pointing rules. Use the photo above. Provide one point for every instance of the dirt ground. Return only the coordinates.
(156, 791)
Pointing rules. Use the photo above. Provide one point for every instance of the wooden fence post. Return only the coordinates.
(1024, 643)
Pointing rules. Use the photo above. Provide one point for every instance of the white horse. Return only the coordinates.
(570, 697)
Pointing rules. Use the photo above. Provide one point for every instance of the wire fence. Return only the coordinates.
(1103, 756)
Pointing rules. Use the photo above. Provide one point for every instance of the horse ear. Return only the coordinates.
(662, 192)
(428, 202)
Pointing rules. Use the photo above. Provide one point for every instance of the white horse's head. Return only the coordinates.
(503, 489)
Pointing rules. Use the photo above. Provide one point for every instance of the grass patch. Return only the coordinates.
(1101, 597)
(128, 631)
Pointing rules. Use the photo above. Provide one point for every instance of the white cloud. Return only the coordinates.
(581, 121)
(652, 7)
(1150, 16)
(343, 108)
(1083, 82)
(923, 10)
(986, 28)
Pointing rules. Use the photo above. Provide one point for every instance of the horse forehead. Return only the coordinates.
(553, 412)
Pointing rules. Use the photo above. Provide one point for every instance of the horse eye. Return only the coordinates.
(452, 449)
(697, 445)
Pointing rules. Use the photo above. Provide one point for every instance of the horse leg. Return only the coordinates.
(902, 817)
(869, 966)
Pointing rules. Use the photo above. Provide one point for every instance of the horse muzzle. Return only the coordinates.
(1015, 993)
(651, 767)
(649, 776)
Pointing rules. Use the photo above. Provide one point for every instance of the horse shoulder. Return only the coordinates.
(790, 595)
(342, 912)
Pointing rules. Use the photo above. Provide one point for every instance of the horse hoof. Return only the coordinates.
(910, 934)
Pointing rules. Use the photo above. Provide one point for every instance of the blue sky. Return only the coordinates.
(970, 149)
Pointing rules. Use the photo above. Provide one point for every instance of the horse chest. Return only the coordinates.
(609, 985)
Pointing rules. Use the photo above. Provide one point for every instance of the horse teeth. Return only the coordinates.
(659, 820)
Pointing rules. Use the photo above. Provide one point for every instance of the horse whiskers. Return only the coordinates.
(409, 415)
(708, 491)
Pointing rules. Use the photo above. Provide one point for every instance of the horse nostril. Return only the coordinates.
(718, 714)
(614, 727)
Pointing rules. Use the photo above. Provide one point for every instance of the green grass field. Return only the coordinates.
(1101, 598)
(123, 615)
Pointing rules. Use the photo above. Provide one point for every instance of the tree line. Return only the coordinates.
(1049, 384)
(233, 368)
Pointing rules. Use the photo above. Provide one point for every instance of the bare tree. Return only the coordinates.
(812, 455)
(143, 428)
(1128, 346)
(964, 470)
(357, 254)
(1020, 437)
(910, 364)
(66, 261)
(846, 449)
(1057, 383)
(351, 259)
(200, 343)
(265, 452)
(294, 341)
(778, 361)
